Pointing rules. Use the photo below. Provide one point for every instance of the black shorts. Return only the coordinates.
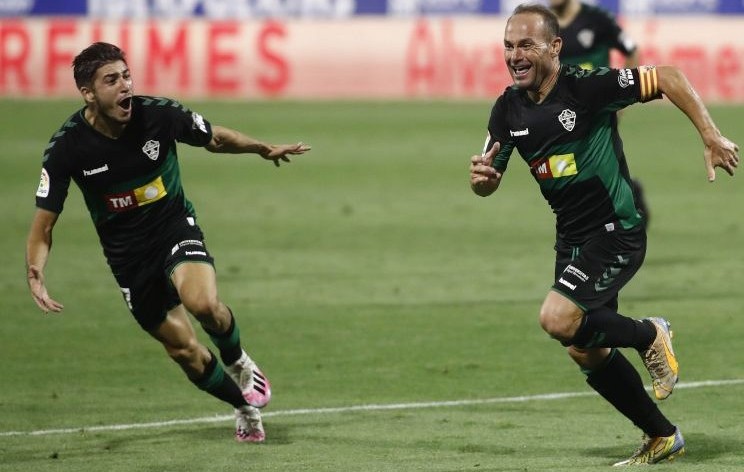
(592, 274)
(145, 283)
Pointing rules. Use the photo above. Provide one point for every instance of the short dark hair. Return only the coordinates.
(549, 18)
(90, 59)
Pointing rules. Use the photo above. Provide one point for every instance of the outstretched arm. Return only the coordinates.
(719, 151)
(38, 245)
(226, 140)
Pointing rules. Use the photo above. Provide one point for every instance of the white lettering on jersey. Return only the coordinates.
(118, 203)
(95, 171)
(576, 272)
(569, 285)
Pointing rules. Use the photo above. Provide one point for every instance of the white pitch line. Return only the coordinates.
(348, 409)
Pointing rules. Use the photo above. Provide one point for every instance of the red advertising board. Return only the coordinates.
(435, 57)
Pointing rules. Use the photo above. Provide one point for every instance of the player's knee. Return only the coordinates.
(558, 324)
(203, 308)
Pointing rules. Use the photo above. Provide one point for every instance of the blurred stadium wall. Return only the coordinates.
(336, 49)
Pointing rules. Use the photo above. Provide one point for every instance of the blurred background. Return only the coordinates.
(336, 49)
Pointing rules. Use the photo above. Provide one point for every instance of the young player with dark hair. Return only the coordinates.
(120, 149)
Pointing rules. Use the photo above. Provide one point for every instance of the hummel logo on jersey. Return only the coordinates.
(521, 132)
(152, 149)
(568, 119)
(95, 171)
(625, 78)
(566, 283)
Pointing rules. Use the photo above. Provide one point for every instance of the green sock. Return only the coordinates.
(221, 386)
(228, 343)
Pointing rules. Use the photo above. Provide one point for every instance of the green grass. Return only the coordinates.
(366, 272)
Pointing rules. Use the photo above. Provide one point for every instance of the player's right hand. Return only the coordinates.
(484, 179)
(39, 291)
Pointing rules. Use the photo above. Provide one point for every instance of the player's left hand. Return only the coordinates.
(39, 291)
(279, 152)
(723, 153)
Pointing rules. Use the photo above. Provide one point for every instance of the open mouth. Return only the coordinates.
(125, 103)
(521, 70)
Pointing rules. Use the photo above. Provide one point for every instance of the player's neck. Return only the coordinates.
(539, 95)
(567, 12)
(104, 125)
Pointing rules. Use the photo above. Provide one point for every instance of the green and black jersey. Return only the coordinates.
(587, 41)
(571, 144)
(132, 184)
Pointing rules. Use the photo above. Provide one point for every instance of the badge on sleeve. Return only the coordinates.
(43, 190)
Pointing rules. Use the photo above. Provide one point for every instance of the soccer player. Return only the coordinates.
(562, 121)
(589, 33)
(120, 149)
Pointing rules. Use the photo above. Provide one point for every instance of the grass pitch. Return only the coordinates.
(367, 273)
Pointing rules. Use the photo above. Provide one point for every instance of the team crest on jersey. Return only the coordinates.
(586, 38)
(152, 149)
(568, 119)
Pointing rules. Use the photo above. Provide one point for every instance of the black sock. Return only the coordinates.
(228, 342)
(603, 327)
(221, 386)
(619, 383)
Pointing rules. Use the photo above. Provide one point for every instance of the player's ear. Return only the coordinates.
(555, 46)
(87, 94)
